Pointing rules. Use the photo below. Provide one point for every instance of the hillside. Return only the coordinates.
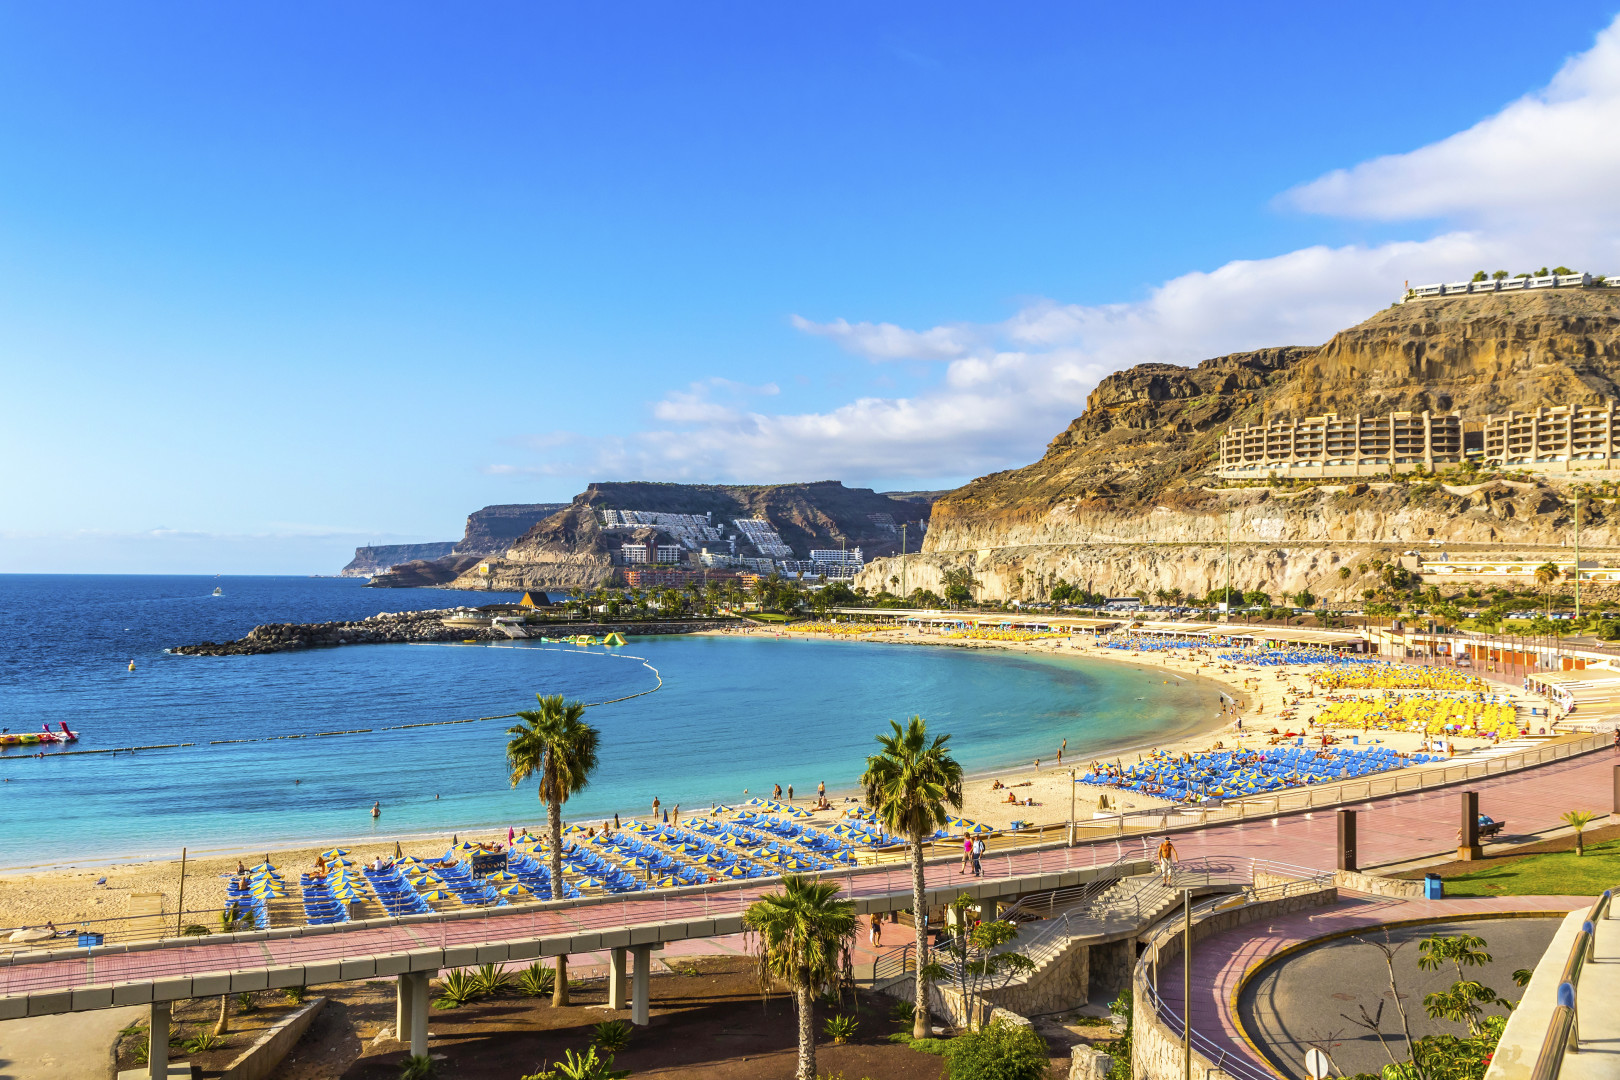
(1132, 469)
(492, 530)
(574, 549)
(374, 558)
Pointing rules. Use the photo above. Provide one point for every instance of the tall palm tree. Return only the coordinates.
(803, 937)
(553, 742)
(1546, 574)
(910, 782)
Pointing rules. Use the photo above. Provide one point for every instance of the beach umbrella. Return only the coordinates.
(666, 882)
(501, 875)
(735, 872)
(514, 890)
(589, 883)
(436, 895)
(334, 853)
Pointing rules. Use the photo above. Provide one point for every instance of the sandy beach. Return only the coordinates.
(72, 893)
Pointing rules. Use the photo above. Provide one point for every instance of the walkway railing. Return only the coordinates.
(1226, 1057)
(1563, 1031)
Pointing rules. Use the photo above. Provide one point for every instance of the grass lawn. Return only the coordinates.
(769, 616)
(1559, 873)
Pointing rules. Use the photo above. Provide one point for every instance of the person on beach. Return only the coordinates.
(655, 807)
(376, 810)
(1167, 860)
(790, 793)
(821, 788)
(675, 818)
(776, 793)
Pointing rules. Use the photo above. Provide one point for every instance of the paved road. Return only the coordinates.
(1304, 999)
(1392, 829)
(58, 1047)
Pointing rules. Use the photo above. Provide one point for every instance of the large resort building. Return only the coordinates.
(1559, 438)
(1332, 445)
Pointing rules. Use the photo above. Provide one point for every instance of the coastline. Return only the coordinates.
(68, 892)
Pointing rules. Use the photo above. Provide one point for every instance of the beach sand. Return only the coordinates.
(70, 894)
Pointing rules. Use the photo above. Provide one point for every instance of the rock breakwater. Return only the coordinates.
(406, 627)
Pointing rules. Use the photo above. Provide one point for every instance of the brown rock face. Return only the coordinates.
(1133, 468)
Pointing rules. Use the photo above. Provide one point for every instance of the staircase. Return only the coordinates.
(1125, 907)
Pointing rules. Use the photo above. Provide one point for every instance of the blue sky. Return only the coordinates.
(277, 281)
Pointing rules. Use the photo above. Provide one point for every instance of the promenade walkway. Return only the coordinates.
(1221, 962)
(1393, 829)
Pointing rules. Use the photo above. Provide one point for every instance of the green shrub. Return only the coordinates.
(611, 1035)
(1120, 1049)
(491, 981)
(417, 1067)
(586, 1066)
(537, 981)
(457, 989)
(840, 1029)
(246, 1003)
(203, 1043)
(295, 994)
(904, 1013)
(1000, 1051)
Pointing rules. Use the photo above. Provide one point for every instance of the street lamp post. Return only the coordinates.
(1072, 782)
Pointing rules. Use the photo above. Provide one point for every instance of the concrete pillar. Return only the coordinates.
(1617, 789)
(616, 981)
(404, 992)
(157, 1055)
(1468, 831)
(641, 987)
(1347, 840)
(419, 1012)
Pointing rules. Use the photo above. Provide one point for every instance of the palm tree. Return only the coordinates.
(1546, 574)
(1578, 820)
(555, 743)
(803, 937)
(909, 782)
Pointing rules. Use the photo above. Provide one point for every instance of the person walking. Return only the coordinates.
(978, 853)
(675, 818)
(790, 793)
(967, 853)
(874, 932)
(821, 788)
(655, 808)
(776, 792)
(1167, 860)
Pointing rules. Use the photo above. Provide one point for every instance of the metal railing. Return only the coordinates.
(1226, 1057)
(1563, 1030)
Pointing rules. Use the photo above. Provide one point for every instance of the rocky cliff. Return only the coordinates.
(372, 559)
(571, 549)
(492, 530)
(1133, 468)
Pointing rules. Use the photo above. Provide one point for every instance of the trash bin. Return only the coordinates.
(86, 940)
(1355, 740)
(1434, 888)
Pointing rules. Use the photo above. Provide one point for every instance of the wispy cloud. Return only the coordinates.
(1534, 183)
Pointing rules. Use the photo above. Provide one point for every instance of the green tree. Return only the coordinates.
(1305, 598)
(1578, 820)
(959, 585)
(1479, 275)
(803, 936)
(554, 743)
(978, 960)
(1546, 574)
(1257, 598)
(910, 782)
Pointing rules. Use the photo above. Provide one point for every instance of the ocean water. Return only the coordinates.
(733, 717)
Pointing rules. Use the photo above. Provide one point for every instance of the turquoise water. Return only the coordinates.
(734, 715)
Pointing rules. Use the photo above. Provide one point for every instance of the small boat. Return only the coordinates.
(218, 591)
(44, 735)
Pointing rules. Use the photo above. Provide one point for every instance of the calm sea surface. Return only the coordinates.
(733, 714)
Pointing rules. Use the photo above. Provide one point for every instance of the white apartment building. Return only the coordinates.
(1331, 445)
(1562, 438)
(669, 553)
(633, 554)
(838, 557)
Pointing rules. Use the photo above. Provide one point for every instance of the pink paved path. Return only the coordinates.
(1392, 829)
(1220, 961)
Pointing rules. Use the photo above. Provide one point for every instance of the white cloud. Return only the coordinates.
(886, 341)
(1549, 161)
(1535, 183)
